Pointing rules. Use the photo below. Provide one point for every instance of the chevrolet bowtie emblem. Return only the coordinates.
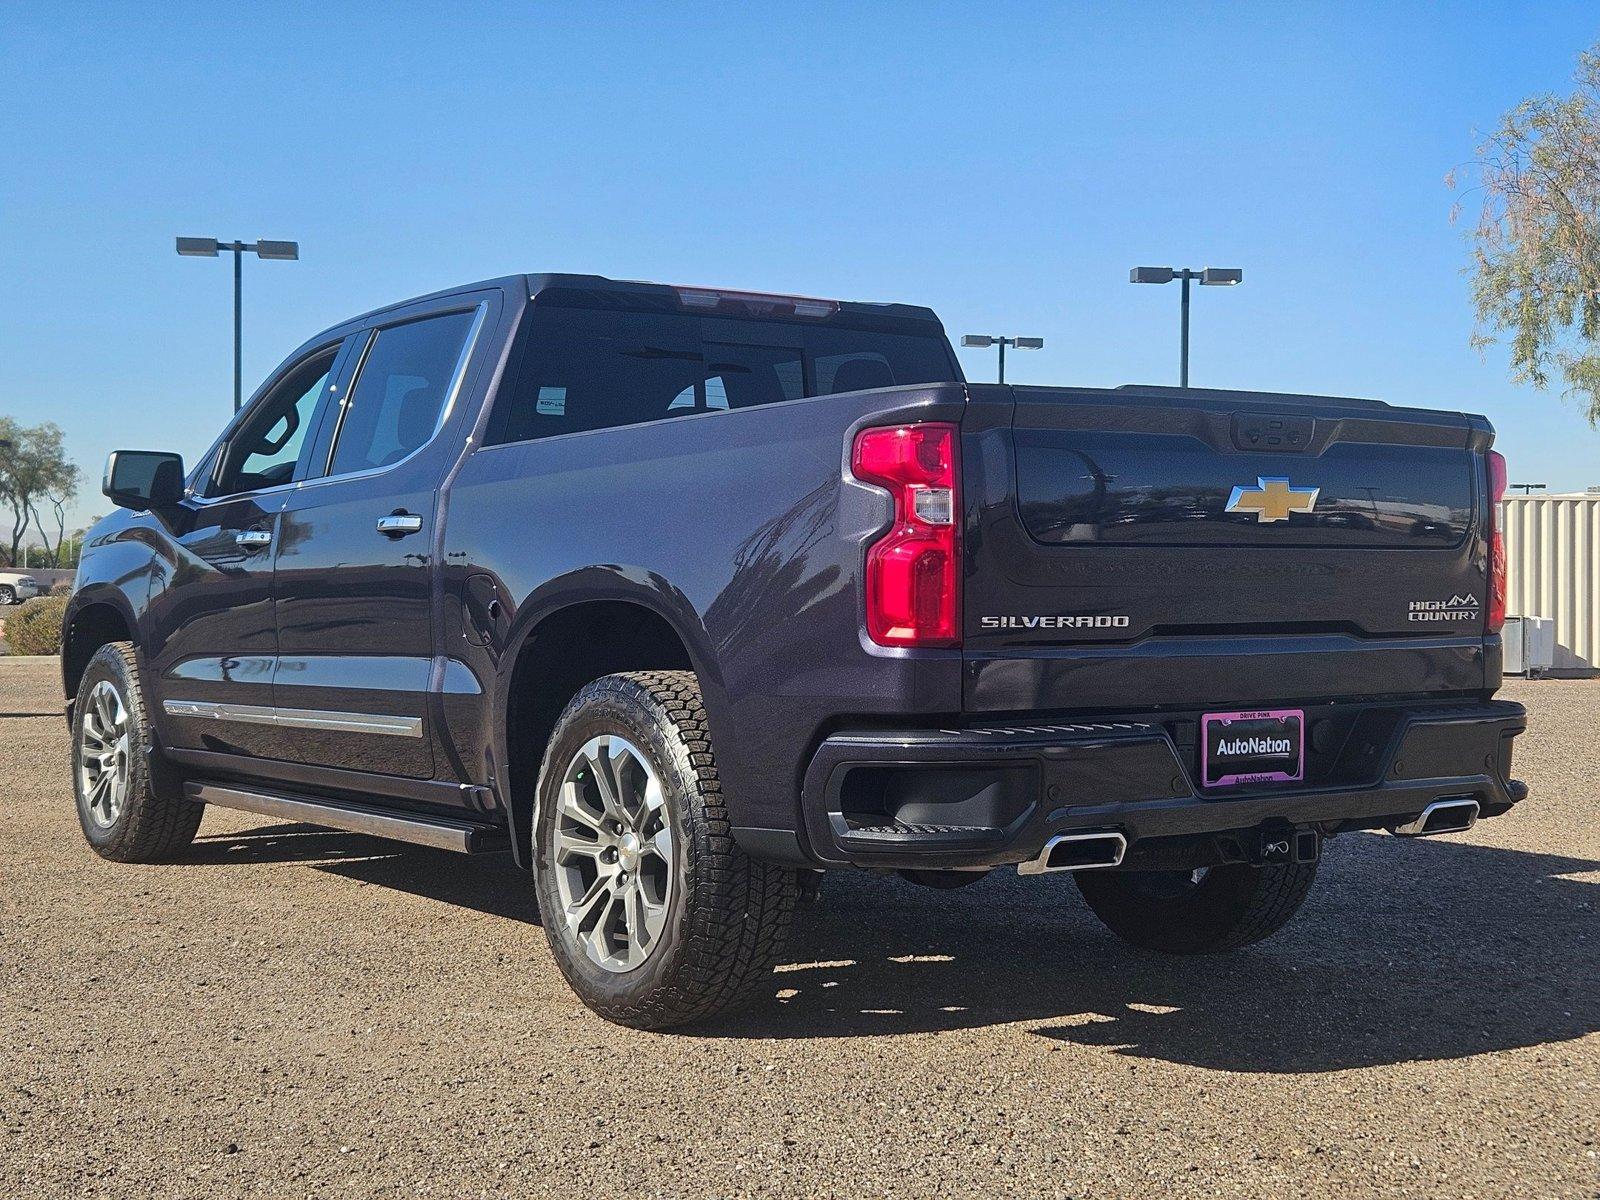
(1272, 499)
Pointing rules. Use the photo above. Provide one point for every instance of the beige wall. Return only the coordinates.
(1553, 570)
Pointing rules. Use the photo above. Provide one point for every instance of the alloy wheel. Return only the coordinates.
(104, 755)
(613, 853)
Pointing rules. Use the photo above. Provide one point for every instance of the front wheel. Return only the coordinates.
(1206, 911)
(8, 595)
(125, 814)
(653, 913)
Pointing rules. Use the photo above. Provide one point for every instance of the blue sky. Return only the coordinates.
(1005, 164)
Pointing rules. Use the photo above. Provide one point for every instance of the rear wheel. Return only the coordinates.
(8, 594)
(1205, 911)
(125, 815)
(653, 913)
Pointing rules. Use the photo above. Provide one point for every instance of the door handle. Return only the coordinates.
(399, 524)
(253, 539)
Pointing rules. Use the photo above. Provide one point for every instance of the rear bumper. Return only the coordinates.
(984, 796)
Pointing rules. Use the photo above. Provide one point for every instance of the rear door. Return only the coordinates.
(354, 554)
(1174, 525)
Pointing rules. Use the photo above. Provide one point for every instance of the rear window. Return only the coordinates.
(577, 369)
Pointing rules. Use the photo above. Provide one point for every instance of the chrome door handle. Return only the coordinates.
(399, 524)
(252, 539)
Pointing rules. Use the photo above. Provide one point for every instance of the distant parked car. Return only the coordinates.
(15, 588)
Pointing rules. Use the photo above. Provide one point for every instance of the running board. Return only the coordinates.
(439, 832)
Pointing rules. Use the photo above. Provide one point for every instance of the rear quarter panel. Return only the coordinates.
(744, 530)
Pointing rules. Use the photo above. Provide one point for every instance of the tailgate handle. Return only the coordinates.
(1280, 433)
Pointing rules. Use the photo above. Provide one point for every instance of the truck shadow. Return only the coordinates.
(1404, 951)
(489, 883)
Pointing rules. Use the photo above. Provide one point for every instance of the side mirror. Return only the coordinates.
(141, 479)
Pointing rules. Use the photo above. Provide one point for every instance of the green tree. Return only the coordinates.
(1536, 245)
(33, 466)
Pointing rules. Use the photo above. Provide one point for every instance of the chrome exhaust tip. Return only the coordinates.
(1442, 816)
(1077, 852)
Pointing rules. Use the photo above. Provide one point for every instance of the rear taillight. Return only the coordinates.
(1497, 543)
(913, 570)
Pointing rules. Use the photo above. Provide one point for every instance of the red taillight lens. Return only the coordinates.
(1497, 543)
(913, 570)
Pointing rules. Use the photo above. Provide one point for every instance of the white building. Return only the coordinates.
(1553, 570)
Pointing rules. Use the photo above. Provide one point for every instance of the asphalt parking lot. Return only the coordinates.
(298, 1013)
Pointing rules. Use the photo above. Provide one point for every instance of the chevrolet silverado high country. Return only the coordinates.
(685, 595)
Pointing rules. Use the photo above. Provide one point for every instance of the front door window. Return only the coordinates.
(264, 451)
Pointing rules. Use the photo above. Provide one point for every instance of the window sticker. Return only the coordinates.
(552, 402)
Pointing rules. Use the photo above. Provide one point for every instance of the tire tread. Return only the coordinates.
(739, 909)
(158, 824)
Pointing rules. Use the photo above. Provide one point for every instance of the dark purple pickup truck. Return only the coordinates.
(682, 596)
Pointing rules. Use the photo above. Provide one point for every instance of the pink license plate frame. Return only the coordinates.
(1239, 777)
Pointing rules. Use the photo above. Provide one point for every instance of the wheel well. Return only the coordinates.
(566, 650)
(92, 627)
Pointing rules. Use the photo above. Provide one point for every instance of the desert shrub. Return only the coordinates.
(36, 627)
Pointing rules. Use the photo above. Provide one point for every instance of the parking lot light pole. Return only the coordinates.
(1208, 277)
(261, 248)
(983, 341)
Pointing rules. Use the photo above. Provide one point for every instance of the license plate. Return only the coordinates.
(1252, 747)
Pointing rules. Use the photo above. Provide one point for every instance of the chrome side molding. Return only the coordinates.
(296, 718)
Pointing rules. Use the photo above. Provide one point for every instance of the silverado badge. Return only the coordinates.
(1272, 499)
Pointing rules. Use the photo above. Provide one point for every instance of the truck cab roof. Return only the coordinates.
(601, 292)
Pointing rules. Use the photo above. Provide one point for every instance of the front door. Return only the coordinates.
(354, 557)
(213, 642)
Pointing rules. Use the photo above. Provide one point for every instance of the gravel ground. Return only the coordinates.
(301, 1013)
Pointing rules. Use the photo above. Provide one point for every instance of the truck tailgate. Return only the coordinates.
(1140, 545)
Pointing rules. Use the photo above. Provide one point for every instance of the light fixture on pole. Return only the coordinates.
(1528, 488)
(261, 248)
(982, 341)
(1209, 277)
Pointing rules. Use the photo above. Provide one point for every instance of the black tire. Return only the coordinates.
(153, 822)
(727, 915)
(8, 595)
(1229, 907)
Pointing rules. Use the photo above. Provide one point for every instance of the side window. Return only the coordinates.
(394, 407)
(266, 447)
